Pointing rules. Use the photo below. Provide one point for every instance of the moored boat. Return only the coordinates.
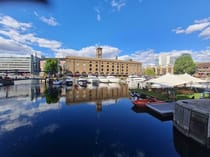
(113, 79)
(103, 79)
(144, 102)
(93, 80)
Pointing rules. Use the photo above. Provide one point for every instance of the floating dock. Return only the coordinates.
(192, 118)
(165, 109)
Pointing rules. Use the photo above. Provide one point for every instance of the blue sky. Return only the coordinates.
(137, 29)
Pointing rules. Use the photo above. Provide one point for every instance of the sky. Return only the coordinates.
(130, 29)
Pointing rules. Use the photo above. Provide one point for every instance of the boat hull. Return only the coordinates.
(144, 102)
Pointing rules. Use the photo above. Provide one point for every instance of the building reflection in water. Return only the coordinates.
(27, 90)
(187, 147)
(98, 95)
(95, 94)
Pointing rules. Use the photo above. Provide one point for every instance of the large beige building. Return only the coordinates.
(100, 66)
(202, 69)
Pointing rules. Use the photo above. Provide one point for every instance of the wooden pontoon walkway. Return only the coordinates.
(166, 109)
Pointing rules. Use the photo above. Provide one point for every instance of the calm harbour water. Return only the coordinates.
(84, 122)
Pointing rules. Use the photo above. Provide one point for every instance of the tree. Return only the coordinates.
(51, 66)
(184, 64)
(149, 72)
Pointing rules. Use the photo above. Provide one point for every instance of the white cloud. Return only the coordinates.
(179, 30)
(150, 57)
(202, 20)
(30, 39)
(98, 14)
(10, 47)
(50, 21)
(198, 26)
(8, 21)
(205, 33)
(98, 17)
(147, 57)
(90, 51)
(16, 38)
(118, 4)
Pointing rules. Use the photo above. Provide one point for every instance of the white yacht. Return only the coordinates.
(93, 80)
(103, 79)
(135, 81)
(113, 79)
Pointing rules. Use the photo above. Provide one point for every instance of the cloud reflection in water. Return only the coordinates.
(15, 113)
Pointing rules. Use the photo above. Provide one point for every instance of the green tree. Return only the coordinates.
(51, 66)
(184, 64)
(149, 72)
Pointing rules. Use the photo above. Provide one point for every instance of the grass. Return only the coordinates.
(188, 96)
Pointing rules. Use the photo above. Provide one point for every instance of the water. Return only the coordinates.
(82, 122)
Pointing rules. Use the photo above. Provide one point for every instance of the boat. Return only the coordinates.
(113, 79)
(68, 81)
(82, 81)
(93, 80)
(144, 102)
(135, 81)
(103, 79)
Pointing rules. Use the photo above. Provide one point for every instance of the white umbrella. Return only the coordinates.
(191, 79)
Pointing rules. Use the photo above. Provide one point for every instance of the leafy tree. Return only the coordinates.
(51, 66)
(149, 72)
(184, 64)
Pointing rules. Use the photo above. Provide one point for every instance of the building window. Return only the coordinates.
(90, 69)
